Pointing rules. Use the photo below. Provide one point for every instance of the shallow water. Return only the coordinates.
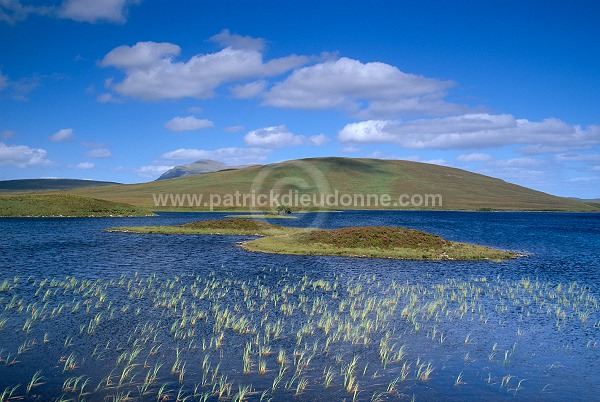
(525, 328)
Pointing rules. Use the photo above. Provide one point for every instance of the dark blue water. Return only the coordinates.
(555, 362)
(563, 246)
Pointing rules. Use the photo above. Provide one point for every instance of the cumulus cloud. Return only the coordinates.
(272, 137)
(362, 89)
(62, 135)
(96, 10)
(470, 131)
(188, 123)
(318, 140)
(152, 73)
(99, 153)
(142, 55)
(22, 155)
(280, 136)
(230, 156)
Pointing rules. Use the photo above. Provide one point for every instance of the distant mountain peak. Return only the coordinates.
(201, 166)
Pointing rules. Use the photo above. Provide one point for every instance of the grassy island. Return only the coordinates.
(64, 205)
(370, 241)
(227, 226)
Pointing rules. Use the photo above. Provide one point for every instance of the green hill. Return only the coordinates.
(63, 205)
(37, 185)
(459, 189)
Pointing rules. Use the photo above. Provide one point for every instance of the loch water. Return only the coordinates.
(527, 328)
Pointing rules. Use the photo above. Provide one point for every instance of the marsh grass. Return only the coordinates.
(207, 337)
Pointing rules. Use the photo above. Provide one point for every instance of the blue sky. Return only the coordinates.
(122, 90)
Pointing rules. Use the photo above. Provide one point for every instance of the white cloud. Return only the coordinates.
(99, 153)
(250, 90)
(62, 135)
(471, 131)
(230, 156)
(475, 157)
(3, 81)
(234, 41)
(151, 73)
(272, 137)
(85, 165)
(22, 155)
(188, 123)
(96, 10)
(318, 140)
(366, 131)
(280, 136)
(151, 171)
(362, 89)
(142, 55)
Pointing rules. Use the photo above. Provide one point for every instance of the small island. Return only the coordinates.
(367, 242)
(226, 226)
